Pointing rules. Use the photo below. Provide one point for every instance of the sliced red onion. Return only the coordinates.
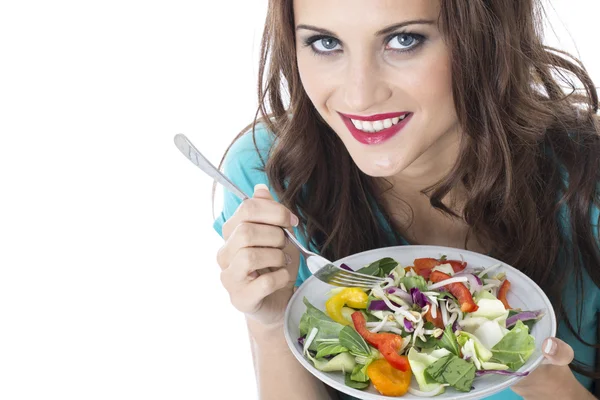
(524, 316)
(347, 268)
(396, 291)
(418, 298)
(500, 372)
(474, 281)
(408, 326)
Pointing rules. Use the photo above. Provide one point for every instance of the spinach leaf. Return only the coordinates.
(436, 369)
(354, 384)
(447, 294)
(448, 341)
(315, 318)
(359, 373)
(429, 343)
(329, 349)
(454, 371)
(515, 348)
(380, 268)
(355, 343)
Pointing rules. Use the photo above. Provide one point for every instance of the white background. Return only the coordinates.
(109, 286)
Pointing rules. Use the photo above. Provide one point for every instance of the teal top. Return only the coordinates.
(243, 166)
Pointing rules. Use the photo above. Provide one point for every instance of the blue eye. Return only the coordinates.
(404, 41)
(324, 44)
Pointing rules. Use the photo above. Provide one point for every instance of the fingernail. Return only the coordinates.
(294, 220)
(261, 186)
(253, 275)
(288, 259)
(550, 347)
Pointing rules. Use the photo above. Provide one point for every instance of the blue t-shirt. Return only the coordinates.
(243, 165)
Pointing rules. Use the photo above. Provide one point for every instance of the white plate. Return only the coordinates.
(524, 294)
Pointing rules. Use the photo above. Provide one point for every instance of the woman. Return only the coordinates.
(422, 122)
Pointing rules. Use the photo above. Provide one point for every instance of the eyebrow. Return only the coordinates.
(382, 32)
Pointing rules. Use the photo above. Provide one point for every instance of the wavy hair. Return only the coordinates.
(526, 129)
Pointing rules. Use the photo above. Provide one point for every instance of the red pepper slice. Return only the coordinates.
(423, 266)
(459, 291)
(437, 321)
(457, 266)
(387, 343)
(502, 292)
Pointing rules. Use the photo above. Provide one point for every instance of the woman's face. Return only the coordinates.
(378, 72)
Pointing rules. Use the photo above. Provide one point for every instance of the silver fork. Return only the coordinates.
(319, 266)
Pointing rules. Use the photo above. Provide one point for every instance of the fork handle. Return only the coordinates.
(191, 152)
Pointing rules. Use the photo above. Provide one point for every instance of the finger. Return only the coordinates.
(260, 209)
(557, 352)
(261, 191)
(250, 235)
(254, 259)
(267, 284)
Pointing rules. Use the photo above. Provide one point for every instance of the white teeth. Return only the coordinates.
(367, 126)
(376, 126)
(357, 124)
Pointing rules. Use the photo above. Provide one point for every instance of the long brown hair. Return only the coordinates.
(523, 134)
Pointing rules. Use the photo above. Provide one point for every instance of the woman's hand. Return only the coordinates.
(258, 264)
(553, 379)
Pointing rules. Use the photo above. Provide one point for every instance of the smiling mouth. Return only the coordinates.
(377, 125)
(375, 129)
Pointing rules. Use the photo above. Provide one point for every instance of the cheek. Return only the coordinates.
(311, 80)
(432, 87)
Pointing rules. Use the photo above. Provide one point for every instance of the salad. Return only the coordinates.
(440, 321)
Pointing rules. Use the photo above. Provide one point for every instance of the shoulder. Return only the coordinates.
(250, 151)
(244, 165)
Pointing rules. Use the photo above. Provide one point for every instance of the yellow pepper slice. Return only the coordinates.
(388, 380)
(352, 297)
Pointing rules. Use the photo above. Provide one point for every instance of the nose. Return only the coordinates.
(364, 86)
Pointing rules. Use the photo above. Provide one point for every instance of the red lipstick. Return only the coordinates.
(375, 137)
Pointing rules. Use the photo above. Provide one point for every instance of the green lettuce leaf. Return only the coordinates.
(515, 348)
(414, 282)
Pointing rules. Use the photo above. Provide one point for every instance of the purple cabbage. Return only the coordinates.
(524, 316)
(408, 326)
(418, 298)
(301, 340)
(396, 291)
(455, 326)
(379, 305)
(500, 372)
(347, 268)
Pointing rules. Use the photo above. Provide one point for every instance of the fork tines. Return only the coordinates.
(340, 277)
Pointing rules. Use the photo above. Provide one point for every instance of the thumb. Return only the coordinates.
(262, 192)
(557, 352)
